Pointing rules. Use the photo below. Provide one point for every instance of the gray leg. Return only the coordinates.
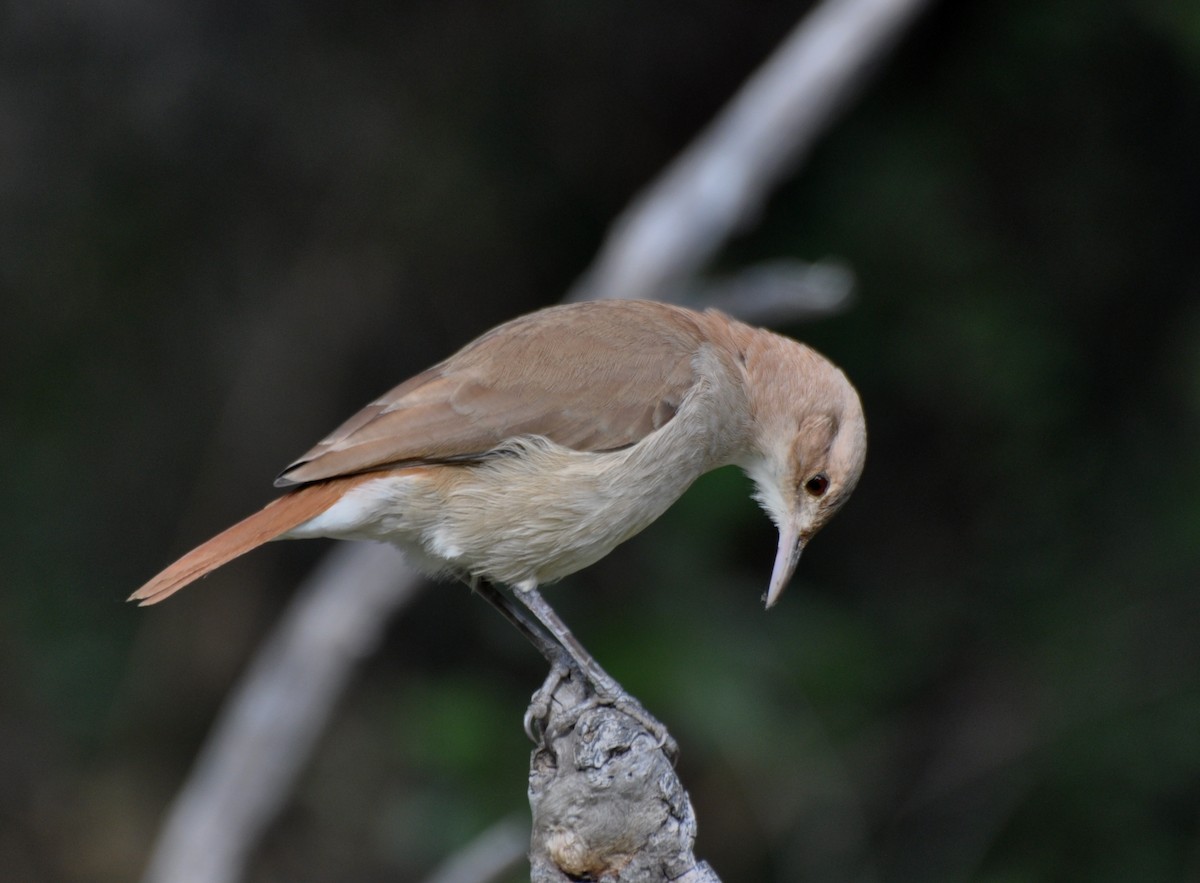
(607, 690)
(528, 594)
(559, 658)
(555, 652)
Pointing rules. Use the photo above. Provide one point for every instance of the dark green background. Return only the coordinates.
(226, 226)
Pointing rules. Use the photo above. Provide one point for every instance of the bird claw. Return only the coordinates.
(627, 705)
(538, 715)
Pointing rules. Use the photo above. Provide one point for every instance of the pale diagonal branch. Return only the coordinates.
(265, 733)
(718, 185)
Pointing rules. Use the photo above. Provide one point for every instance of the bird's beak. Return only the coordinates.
(791, 544)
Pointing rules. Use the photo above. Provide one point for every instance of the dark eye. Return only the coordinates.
(817, 485)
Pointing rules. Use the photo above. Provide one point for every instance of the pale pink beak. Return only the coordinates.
(791, 544)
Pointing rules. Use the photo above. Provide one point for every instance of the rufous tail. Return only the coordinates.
(272, 521)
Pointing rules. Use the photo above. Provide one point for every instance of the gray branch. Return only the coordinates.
(777, 292)
(718, 185)
(266, 731)
(606, 802)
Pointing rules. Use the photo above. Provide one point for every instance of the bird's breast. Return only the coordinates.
(540, 511)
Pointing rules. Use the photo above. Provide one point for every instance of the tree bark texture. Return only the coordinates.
(607, 804)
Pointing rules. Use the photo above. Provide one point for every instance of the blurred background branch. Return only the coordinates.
(503, 846)
(719, 184)
(273, 718)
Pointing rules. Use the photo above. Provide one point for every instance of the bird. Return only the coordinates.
(535, 450)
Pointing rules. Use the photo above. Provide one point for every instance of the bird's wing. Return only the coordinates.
(592, 377)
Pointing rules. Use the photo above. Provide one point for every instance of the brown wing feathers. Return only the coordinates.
(591, 377)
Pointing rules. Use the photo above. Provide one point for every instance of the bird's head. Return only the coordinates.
(810, 443)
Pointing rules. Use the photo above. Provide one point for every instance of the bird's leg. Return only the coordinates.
(556, 654)
(604, 685)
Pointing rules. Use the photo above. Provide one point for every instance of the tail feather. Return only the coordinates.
(272, 521)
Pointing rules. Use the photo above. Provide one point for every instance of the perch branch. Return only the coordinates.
(606, 802)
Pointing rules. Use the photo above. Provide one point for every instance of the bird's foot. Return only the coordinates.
(538, 714)
(626, 704)
(551, 714)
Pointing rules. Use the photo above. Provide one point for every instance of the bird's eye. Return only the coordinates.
(817, 485)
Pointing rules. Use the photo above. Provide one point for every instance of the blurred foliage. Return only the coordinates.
(227, 225)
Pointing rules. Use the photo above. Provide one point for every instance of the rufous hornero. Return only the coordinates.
(538, 448)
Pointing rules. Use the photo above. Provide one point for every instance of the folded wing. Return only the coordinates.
(592, 377)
